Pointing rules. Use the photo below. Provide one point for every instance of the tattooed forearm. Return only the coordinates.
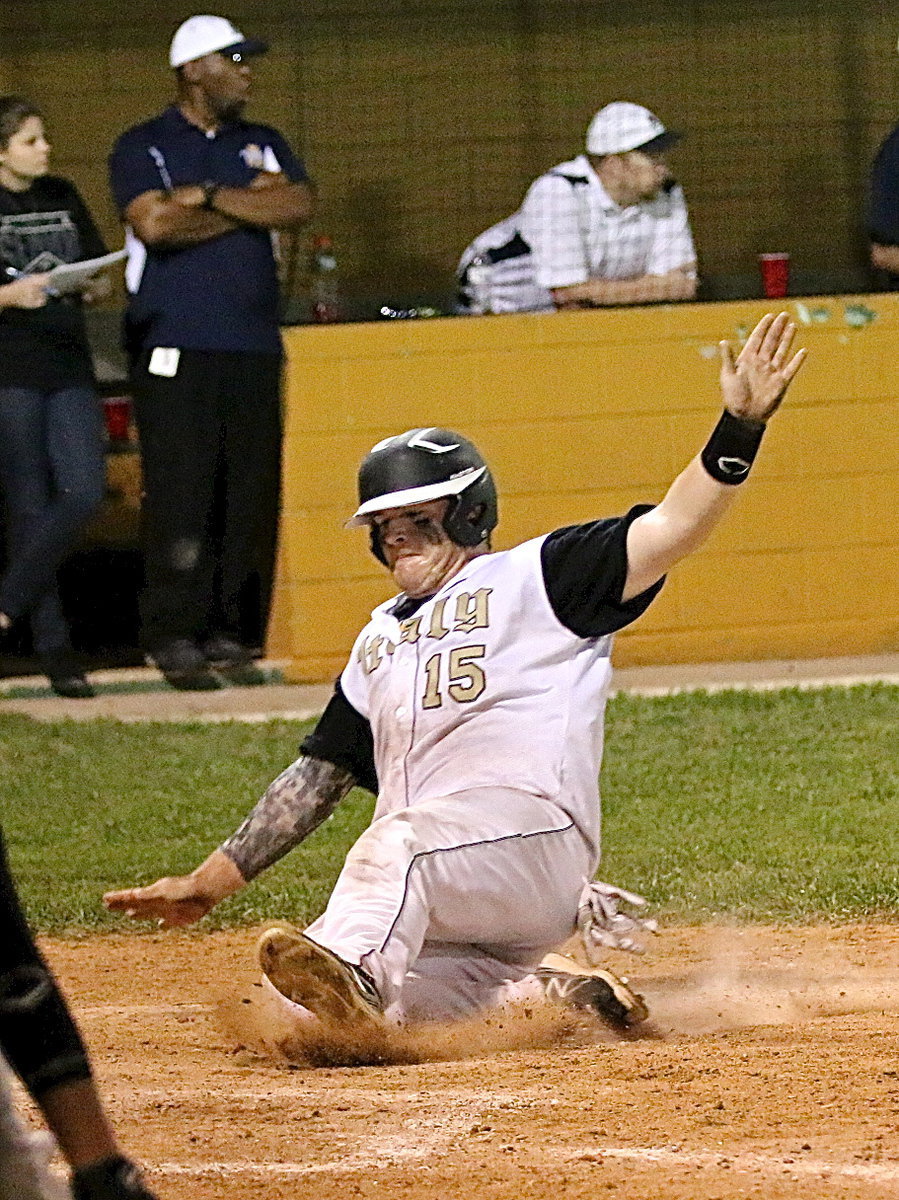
(293, 805)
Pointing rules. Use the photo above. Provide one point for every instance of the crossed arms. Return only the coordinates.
(179, 218)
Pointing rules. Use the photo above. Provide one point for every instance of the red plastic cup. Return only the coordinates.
(775, 269)
(117, 415)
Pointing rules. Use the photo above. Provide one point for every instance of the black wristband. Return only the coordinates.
(209, 193)
(731, 450)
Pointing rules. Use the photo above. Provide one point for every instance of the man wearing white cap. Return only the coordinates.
(202, 191)
(607, 227)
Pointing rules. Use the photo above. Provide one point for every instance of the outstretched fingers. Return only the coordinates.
(754, 384)
(774, 336)
(782, 349)
(757, 337)
(134, 902)
(793, 366)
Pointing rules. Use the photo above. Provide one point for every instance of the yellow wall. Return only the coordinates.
(423, 121)
(583, 414)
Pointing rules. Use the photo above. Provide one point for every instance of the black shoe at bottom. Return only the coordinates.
(184, 667)
(233, 662)
(65, 676)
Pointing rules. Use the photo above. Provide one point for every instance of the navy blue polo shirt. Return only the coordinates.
(883, 199)
(217, 295)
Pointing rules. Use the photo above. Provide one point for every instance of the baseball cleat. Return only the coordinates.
(311, 976)
(591, 989)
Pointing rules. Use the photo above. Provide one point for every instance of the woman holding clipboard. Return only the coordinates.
(52, 469)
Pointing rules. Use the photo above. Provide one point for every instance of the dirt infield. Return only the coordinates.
(773, 1072)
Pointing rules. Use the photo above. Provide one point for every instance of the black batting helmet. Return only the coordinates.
(428, 464)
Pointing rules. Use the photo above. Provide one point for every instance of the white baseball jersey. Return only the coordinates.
(498, 680)
(483, 687)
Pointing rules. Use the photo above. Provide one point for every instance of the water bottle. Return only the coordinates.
(479, 285)
(325, 285)
(388, 313)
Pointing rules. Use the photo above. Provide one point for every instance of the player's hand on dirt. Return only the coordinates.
(754, 385)
(172, 901)
(180, 899)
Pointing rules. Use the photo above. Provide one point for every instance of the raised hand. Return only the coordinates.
(753, 386)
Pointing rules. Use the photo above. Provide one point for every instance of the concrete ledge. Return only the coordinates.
(300, 702)
(758, 676)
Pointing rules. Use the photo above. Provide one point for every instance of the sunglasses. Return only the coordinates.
(235, 56)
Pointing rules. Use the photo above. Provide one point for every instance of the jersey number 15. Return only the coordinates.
(465, 678)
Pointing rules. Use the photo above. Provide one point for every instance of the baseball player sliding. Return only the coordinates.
(472, 704)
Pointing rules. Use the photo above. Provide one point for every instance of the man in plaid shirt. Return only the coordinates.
(607, 227)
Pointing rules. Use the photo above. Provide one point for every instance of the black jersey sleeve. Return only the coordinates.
(343, 737)
(584, 570)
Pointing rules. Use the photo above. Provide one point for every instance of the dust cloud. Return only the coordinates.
(721, 1001)
(741, 985)
(735, 985)
(263, 1028)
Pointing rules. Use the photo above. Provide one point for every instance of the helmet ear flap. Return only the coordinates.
(463, 521)
(471, 517)
(475, 515)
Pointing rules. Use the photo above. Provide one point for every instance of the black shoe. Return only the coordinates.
(233, 661)
(591, 989)
(66, 677)
(185, 667)
(113, 1178)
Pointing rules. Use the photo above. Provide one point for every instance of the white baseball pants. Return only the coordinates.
(450, 904)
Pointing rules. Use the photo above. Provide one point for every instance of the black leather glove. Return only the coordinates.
(112, 1179)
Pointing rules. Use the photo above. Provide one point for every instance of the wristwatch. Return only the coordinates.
(209, 193)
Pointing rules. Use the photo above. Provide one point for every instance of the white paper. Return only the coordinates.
(71, 277)
(164, 361)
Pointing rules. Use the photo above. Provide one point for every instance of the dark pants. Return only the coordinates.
(211, 449)
(37, 1033)
(53, 476)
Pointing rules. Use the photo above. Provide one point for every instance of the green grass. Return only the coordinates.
(779, 806)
